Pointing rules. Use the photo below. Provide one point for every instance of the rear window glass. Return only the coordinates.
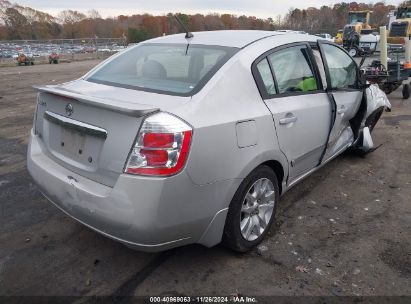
(265, 72)
(171, 69)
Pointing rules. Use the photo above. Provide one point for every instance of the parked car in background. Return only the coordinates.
(104, 49)
(301, 32)
(90, 49)
(325, 36)
(177, 141)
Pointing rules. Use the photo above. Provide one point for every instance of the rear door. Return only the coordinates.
(343, 89)
(292, 90)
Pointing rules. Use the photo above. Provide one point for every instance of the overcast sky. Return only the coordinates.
(259, 8)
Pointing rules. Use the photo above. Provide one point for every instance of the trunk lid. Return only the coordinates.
(90, 128)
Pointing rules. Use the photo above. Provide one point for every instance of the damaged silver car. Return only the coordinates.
(193, 138)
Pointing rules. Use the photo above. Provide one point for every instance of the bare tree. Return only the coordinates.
(94, 14)
(70, 21)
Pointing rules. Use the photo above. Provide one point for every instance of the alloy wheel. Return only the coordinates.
(257, 209)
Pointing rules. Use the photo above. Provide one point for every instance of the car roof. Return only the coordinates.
(229, 38)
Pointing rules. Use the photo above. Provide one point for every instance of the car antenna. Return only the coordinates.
(188, 34)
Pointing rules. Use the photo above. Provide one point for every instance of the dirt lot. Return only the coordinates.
(343, 231)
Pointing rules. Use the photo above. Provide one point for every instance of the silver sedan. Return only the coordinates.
(182, 140)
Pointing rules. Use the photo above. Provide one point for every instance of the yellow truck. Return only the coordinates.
(357, 34)
(400, 28)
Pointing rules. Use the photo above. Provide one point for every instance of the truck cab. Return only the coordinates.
(400, 28)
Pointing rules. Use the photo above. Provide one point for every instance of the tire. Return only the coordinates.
(406, 92)
(387, 89)
(239, 212)
(353, 52)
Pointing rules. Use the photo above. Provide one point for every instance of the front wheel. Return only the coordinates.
(252, 210)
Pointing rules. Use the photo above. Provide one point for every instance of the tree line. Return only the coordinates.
(24, 23)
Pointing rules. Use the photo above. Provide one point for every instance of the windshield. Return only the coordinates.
(176, 69)
(404, 12)
(358, 17)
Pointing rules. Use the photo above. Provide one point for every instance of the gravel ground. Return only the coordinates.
(345, 230)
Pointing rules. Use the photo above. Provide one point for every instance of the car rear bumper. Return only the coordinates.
(146, 213)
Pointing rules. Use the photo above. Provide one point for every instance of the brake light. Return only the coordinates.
(158, 140)
(162, 146)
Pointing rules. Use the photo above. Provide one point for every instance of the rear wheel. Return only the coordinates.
(406, 91)
(252, 210)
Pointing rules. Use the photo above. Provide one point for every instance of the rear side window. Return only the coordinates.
(292, 70)
(341, 67)
(320, 65)
(266, 76)
(164, 68)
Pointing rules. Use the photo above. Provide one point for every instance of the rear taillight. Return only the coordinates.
(162, 146)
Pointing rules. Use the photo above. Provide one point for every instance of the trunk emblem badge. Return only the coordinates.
(69, 109)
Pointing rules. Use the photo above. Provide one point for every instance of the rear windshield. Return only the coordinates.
(176, 69)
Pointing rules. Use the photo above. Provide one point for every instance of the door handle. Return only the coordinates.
(288, 119)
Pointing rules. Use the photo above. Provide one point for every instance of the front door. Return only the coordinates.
(343, 88)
